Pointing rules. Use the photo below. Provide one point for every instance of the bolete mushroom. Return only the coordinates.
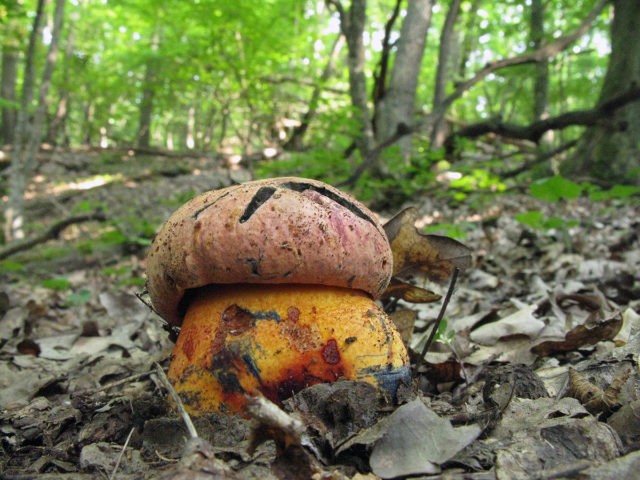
(273, 283)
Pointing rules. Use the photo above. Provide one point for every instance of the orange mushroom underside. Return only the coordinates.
(275, 340)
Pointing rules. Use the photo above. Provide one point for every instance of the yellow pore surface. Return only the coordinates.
(278, 339)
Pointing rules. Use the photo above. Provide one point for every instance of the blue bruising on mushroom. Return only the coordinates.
(251, 366)
(388, 378)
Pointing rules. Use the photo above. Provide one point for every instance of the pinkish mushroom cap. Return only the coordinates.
(277, 231)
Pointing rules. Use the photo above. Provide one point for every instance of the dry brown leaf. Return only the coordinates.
(601, 322)
(418, 255)
(404, 320)
(410, 293)
(595, 399)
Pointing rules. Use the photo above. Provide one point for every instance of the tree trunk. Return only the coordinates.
(611, 151)
(146, 111)
(8, 93)
(296, 141)
(352, 24)
(396, 108)
(447, 38)
(541, 79)
(148, 94)
(57, 133)
(28, 136)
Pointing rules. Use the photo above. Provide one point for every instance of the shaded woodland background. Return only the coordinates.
(389, 98)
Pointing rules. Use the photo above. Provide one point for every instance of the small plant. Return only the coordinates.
(537, 220)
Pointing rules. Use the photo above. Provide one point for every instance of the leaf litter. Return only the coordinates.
(534, 373)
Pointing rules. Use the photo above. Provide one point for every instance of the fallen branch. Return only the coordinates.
(535, 130)
(52, 233)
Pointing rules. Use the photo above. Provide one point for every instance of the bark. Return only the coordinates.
(446, 46)
(148, 94)
(541, 79)
(396, 108)
(296, 141)
(8, 93)
(352, 23)
(58, 125)
(28, 136)
(611, 151)
(146, 109)
(381, 76)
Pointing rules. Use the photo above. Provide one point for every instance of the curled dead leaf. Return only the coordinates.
(600, 322)
(417, 254)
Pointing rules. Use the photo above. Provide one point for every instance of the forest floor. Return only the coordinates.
(535, 374)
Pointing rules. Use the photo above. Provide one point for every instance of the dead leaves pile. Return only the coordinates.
(534, 375)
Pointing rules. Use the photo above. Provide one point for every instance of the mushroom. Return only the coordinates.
(273, 284)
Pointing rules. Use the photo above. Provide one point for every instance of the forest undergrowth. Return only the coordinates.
(534, 372)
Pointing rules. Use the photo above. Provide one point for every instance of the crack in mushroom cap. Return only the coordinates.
(278, 231)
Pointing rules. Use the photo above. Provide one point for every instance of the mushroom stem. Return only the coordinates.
(275, 340)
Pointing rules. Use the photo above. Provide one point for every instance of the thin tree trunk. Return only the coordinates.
(396, 109)
(8, 93)
(352, 23)
(148, 94)
(296, 140)
(23, 162)
(58, 125)
(438, 132)
(541, 79)
(146, 110)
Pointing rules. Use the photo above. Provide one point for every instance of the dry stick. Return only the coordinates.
(52, 233)
(174, 395)
(434, 330)
(124, 447)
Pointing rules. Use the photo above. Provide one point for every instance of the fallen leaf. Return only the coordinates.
(417, 441)
(594, 321)
(409, 293)
(522, 322)
(423, 256)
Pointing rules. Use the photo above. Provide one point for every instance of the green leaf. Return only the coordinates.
(56, 283)
(11, 266)
(79, 298)
(620, 192)
(555, 188)
(533, 219)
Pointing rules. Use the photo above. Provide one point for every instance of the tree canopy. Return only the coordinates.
(259, 80)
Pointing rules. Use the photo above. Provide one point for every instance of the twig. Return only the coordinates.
(116, 383)
(443, 309)
(174, 395)
(52, 233)
(126, 442)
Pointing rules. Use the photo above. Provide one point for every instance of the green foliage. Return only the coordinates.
(56, 283)
(474, 181)
(537, 220)
(617, 192)
(80, 297)
(458, 230)
(88, 206)
(122, 274)
(444, 334)
(555, 188)
(179, 198)
(11, 266)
